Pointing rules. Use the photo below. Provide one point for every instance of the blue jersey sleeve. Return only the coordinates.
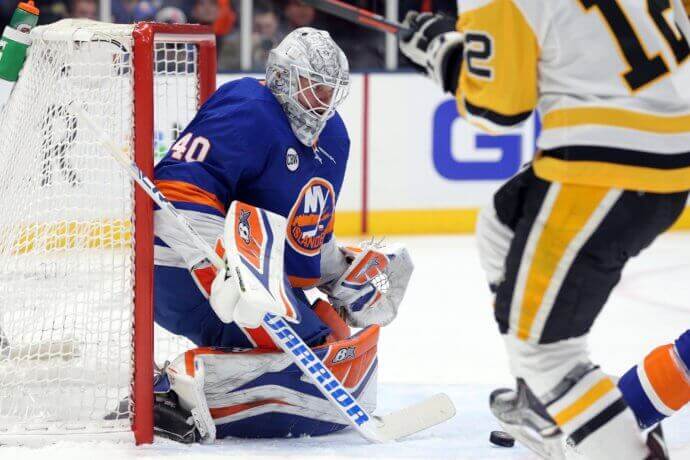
(213, 155)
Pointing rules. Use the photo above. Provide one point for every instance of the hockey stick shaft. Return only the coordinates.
(357, 15)
(278, 329)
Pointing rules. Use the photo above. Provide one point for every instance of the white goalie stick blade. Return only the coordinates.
(415, 418)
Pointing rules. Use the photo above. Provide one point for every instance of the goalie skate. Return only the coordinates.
(523, 417)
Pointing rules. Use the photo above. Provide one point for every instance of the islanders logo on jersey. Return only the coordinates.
(311, 217)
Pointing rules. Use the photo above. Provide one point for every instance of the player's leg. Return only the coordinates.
(182, 309)
(660, 385)
(569, 246)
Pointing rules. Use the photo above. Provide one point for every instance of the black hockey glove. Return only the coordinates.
(434, 47)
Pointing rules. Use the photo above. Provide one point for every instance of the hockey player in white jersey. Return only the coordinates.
(611, 81)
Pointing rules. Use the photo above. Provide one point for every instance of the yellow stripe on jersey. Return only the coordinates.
(501, 80)
(584, 402)
(571, 211)
(602, 174)
(659, 124)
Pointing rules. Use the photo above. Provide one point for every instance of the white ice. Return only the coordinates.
(445, 340)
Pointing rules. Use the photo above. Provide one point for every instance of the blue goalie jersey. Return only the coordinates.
(240, 146)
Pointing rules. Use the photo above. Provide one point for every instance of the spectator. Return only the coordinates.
(267, 32)
(204, 11)
(84, 9)
(51, 10)
(216, 13)
(144, 10)
(298, 14)
(122, 11)
(171, 15)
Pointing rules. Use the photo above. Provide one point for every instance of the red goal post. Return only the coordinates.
(146, 35)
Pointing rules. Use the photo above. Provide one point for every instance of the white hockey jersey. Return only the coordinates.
(611, 80)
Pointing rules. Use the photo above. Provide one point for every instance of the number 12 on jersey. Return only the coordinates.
(644, 69)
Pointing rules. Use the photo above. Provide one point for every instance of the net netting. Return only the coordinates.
(66, 227)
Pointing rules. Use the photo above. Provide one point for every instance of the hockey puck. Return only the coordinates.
(501, 438)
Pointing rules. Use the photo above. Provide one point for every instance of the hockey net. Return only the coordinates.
(76, 235)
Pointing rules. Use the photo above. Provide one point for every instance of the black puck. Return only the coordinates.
(501, 438)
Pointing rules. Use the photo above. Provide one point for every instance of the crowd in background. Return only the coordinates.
(272, 20)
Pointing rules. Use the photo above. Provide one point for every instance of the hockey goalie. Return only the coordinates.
(258, 172)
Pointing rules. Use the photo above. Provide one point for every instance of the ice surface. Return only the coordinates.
(445, 340)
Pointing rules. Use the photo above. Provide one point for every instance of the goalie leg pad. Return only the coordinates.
(253, 394)
(660, 385)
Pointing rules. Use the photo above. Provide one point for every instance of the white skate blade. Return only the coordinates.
(415, 418)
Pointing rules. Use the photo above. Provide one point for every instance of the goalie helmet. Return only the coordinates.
(309, 75)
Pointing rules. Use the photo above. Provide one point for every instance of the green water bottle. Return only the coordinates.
(14, 43)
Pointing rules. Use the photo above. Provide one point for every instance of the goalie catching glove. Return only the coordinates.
(434, 47)
(373, 285)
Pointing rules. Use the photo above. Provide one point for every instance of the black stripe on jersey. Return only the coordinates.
(620, 156)
(597, 422)
(495, 117)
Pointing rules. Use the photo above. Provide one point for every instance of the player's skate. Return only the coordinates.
(523, 417)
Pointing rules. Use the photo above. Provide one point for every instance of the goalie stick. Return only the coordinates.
(394, 426)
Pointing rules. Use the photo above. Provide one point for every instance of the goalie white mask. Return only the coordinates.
(309, 75)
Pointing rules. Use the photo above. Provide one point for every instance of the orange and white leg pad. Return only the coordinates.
(259, 393)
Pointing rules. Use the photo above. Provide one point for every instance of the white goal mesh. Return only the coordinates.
(67, 226)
